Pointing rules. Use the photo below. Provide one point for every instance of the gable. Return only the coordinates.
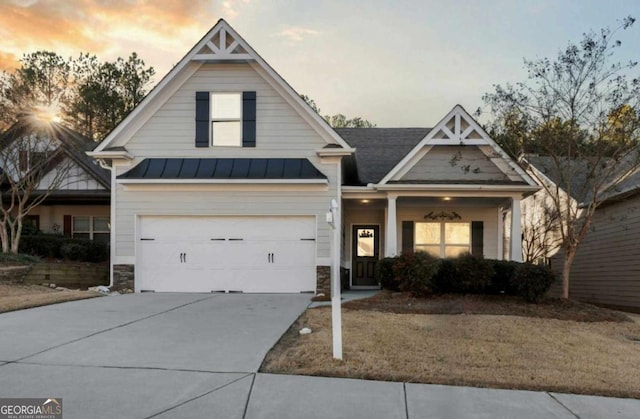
(443, 164)
(484, 161)
(76, 178)
(281, 131)
(223, 47)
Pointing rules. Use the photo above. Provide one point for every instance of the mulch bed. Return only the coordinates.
(551, 308)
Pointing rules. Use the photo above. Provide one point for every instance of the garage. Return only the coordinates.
(257, 254)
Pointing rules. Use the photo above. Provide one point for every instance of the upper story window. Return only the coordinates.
(226, 119)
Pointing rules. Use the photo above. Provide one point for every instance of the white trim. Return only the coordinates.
(112, 210)
(457, 187)
(182, 71)
(110, 155)
(380, 253)
(331, 152)
(222, 181)
(458, 113)
(316, 121)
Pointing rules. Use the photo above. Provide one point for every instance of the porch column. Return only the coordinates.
(515, 252)
(391, 233)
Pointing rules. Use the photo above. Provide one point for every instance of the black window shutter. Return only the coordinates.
(407, 237)
(477, 239)
(202, 119)
(66, 225)
(248, 119)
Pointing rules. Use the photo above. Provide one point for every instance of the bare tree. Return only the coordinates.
(570, 109)
(541, 236)
(33, 165)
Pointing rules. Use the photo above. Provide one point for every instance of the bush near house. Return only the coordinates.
(59, 247)
(421, 275)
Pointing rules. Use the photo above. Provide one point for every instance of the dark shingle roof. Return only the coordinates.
(71, 142)
(378, 150)
(230, 168)
(578, 178)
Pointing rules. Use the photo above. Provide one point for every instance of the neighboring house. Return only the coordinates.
(223, 177)
(606, 268)
(79, 205)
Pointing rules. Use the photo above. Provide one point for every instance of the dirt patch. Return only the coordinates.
(486, 350)
(20, 296)
(552, 308)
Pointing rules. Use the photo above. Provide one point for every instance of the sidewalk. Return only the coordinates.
(287, 396)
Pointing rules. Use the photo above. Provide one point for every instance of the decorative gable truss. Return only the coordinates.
(457, 130)
(222, 46)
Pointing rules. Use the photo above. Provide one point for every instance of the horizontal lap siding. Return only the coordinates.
(606, 269)
(455, 163)
(281, 132)
(132, 203)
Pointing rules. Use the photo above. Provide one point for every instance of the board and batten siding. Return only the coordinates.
(606, 268)
(280, 133)
(75, 179)
(455, 163)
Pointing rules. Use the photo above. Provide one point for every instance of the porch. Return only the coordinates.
(442, 224)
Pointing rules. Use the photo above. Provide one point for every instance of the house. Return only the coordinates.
(79, 204)
(223, 177)
(605, 270)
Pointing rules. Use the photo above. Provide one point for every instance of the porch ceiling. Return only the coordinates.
(445, 202)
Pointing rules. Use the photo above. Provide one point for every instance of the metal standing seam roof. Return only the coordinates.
(223, 168)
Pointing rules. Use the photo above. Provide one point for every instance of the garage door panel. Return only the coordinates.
(204, 254)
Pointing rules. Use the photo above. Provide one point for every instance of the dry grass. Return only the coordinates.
(20, 296)
(478, 350)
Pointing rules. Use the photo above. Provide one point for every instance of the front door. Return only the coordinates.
(365, 254)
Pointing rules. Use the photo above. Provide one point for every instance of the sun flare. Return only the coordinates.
(49, 114)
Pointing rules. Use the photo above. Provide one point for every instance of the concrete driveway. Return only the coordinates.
(197, 356)
(139, 354)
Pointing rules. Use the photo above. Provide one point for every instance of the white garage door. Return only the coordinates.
(205, 254)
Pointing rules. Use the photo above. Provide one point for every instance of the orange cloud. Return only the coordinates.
(161, 31)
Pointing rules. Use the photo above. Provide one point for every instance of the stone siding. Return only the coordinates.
(123, 277)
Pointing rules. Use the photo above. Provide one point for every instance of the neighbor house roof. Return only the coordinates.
(72, 143)
(229, 168)
(378, 150)
(580, 180)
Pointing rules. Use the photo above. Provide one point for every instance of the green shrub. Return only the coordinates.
(54, 246)
(384, 274)
(502, 280)
(74, 251)
(96, 252)
(42, 245)
(414, 271)
(474, 273)
(532, 282)
(446, 280)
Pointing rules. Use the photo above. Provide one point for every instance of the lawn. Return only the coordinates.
(20, 296)
(496, 342)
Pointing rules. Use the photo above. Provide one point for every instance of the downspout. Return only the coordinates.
(112, 216)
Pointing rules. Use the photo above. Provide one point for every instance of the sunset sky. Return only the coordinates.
(396, 63)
